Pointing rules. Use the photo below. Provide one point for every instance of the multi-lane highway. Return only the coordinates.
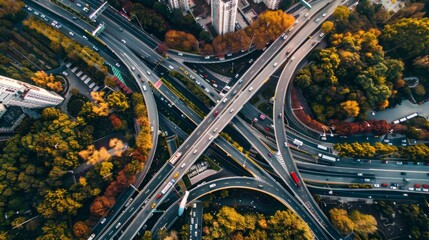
(216, 121)
(121, 39)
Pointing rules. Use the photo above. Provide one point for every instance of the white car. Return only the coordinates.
(133, 68)
(170, 67)
(71, 33)
(123, 40)
(306, 15)
(324, 15)
(317, 20)
(360, 174)
(212, 185)
(376, 185)
(198, 83)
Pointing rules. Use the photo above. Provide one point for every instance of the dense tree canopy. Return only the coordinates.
(181, 40)
(409, 37)
(362, 224)
(229, 223)
(266, 28)
(10, 7)
(350, 77)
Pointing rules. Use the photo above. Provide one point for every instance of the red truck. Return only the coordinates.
(295, 179)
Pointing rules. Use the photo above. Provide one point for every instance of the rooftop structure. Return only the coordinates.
(224, 13)
(17, 93)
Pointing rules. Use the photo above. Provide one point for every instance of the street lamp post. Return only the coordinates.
(251, 42)
(131, 185)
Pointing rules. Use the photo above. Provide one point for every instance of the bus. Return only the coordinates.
(295, 179)
(168, 186)
(412, 116)
(322, 147)
(297, 142)
(175, 158)
(328, 158)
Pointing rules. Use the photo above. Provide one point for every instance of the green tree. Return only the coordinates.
(365, 223)
(420, 90)
(287, 225)
(341, 13)
(341, 220)
(409, 37)
(327, 26)
(118, 100)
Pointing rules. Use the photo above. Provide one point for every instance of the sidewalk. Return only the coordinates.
(403, 110)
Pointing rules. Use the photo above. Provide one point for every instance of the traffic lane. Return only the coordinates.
(378, 172)
(246, 183)
(120, 22)
(138, 202)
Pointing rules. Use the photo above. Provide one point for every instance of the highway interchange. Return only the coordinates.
(138, 45)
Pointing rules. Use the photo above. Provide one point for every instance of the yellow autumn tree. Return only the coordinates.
(100, 107)
(351, 108)
(42, 79)
(10, 7)
(117, 146)
(106, 169)
(327, 26)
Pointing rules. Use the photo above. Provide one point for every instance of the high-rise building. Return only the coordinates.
(179, 4)
(224, 13)
(174, 4)
(17, 93)
(184, 4)
(272, 4)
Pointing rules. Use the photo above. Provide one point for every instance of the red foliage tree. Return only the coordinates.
(116, 122)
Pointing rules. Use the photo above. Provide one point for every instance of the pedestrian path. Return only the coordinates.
(400, 111)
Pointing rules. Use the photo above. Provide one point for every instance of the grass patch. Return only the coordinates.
(267, 109)
(212, 164)
(254, 99)
(191, 86)
(180, 95)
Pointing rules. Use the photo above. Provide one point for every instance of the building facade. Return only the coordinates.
(224, 14)
(174, 4)
(17, 93)
(184, 5)
(272, 4)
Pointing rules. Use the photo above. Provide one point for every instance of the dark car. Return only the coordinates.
(270, 154)
(215, 113)
(403, 173)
